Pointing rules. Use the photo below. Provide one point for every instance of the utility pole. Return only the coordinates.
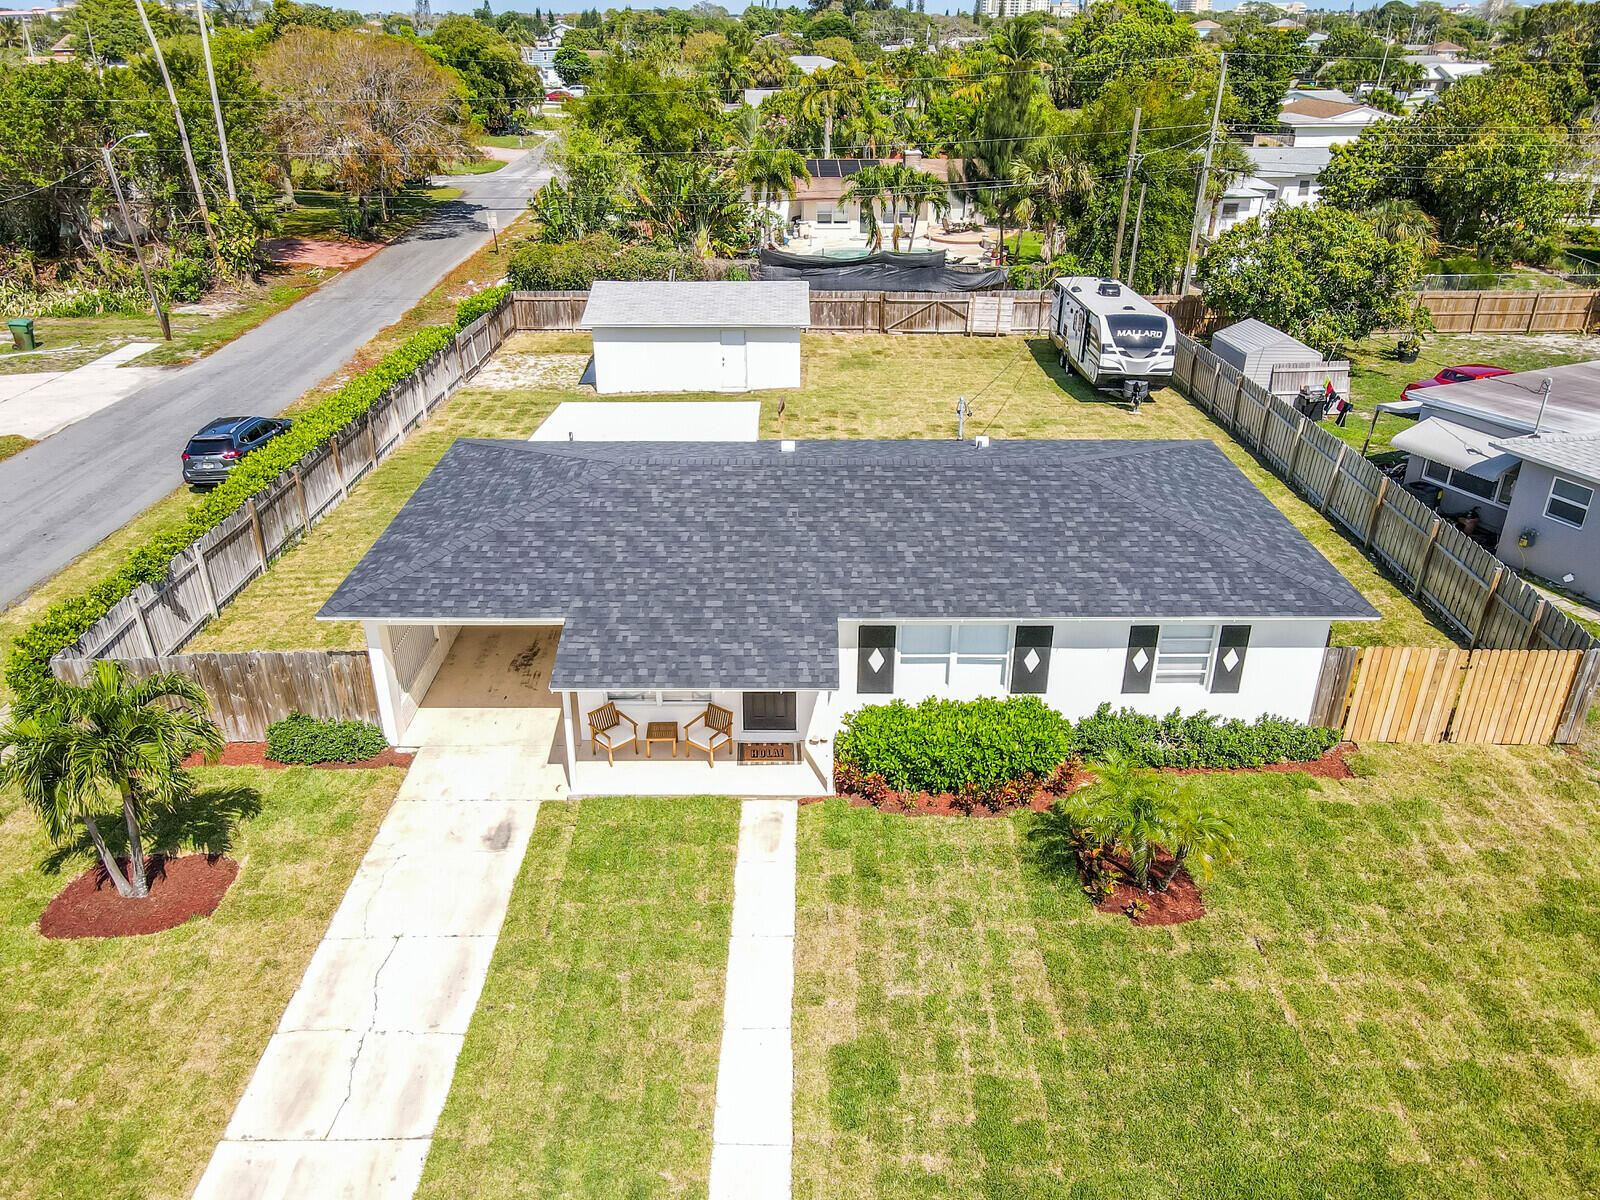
(1138, 219)
(133, 234)
(183, 130)
(94, 57)
(1205, 180)
(1127, 182)
(1383, 63)
(216, 105)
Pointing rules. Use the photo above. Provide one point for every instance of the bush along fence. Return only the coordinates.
(170, 587)
(1472, 590)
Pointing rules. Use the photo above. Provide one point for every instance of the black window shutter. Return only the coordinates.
(1228, 670)
(875, 660)
(1030, 659)
(1140, 666)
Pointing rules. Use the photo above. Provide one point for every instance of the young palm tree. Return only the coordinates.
(918, 188)
(772, 173)
(1202, 838)
(1398, 220)
(870, 186)
(114, 739)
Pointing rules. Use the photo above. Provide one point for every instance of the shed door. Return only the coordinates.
(733, 361)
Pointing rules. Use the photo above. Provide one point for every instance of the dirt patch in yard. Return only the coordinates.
(254, 754)
(1179, 903)
(522, 372)
(180, 888)
(314, 252)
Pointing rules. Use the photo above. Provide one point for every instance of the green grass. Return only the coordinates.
(124, 1057)
(13, 443)
(1393, 994)
(480, 166)
(1377, 376)
(70, 342)
(590, 1066)
(856, 386)
(316, 213)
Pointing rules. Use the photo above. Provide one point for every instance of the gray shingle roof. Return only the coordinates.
(715, 565)
(777, 303)
(1575, 453)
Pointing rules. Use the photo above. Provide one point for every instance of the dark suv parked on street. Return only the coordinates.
(217, 448)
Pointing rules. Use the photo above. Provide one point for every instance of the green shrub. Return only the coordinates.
(1198, 740)
(573, 266)
(473, 307)
(299, 738)
(65, 621)
(955, 745)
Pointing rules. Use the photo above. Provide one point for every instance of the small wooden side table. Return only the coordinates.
(661, 731)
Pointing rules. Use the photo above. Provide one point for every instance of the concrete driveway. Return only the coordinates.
(345, 1098)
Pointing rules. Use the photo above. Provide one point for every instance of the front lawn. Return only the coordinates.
(318, 213)
(856, 386)
(590, 1067)
(123, 1058)
(1396, 993)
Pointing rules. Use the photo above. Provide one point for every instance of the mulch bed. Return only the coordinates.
(1331, 765)
(254, 754)
(1179, 903)
(188, 886)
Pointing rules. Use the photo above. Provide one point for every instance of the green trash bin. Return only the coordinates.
(22, 333)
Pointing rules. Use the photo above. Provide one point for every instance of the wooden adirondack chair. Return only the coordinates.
(718, 722)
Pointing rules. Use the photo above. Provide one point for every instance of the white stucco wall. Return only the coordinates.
(1281, 669)
(693, 360)
(397, 702)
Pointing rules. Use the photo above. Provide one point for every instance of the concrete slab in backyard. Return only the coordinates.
(652, 421)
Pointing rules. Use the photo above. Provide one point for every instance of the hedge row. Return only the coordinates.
(67, 620)
(474, 306)
(944, 746)
(300, 738)
(573, 266)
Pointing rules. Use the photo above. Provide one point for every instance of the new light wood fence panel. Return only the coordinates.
(1514, 697)
(249, 691)
(1546, 310)
(1404, 694)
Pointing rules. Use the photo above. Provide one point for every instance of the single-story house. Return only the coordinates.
(727, 336)
(1527, 460)
(1311, 122)
(821, 218)
(1439, 71)
(790, 583)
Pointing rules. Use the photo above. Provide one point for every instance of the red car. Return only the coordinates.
(1461, 374)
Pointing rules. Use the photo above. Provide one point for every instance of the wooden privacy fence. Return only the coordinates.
(159, 618)
(1429, 695)
(1471, 589)
(1546, 310)
(251, 690)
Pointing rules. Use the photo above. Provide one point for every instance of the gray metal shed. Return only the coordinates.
(1254, 348)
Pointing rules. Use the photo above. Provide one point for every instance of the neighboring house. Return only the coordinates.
(1311, 122)
(792, 583)
(696, 337)
(821, 217)
(1477, 443)
(1282, 175)
(1285, 23)
(810, 64)
(1204, 28)
(1002, 9)
(1439, 71)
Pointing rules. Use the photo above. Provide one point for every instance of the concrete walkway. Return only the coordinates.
(41, 403)
(347, 1094)
(752, 1139)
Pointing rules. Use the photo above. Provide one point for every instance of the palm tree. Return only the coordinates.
(1202, 839)
(772, 173)
(730, 72)
(1398, 220)
(1062, 179)
(870, 186)
(114, 738)
(830, 92)
(918, 188)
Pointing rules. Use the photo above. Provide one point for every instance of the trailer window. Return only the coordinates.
(1138, 334)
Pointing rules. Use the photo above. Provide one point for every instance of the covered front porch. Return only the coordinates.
(489, 685)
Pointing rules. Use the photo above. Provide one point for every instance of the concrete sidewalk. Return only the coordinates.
(40, 403)
(344, 1101)
(752, 1139)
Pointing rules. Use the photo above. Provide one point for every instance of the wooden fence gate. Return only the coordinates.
(1484, 697)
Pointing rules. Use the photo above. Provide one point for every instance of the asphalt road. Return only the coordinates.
(72, 490)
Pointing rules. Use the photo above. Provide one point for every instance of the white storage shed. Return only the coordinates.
(1255, 348)
(697, 337)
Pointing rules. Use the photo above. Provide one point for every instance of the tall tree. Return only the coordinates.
(497, 82)
(829, 92)
(772, 173)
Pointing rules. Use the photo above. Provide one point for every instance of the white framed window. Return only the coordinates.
(1569, 502)
(1184, 653)
(1508, 483)
(824, 214)
(630, 695)
(968, 658)
(686, 697)
(658, 696)
(1435, 472)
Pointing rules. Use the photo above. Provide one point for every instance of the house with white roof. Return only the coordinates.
(1524, 449)
(1313, 122)
(1441, 70)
